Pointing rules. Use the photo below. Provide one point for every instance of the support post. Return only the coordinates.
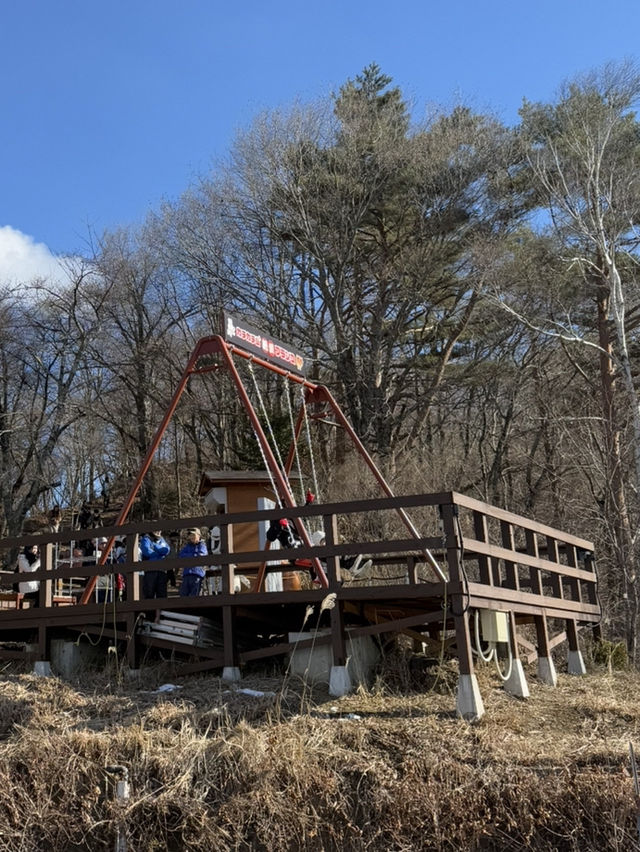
(132, 588)
(334, 576)
(575, 663)
(45, 593)
(516, 684)
(468, 701)
(546, 668)
(42, 665)
(231, 670)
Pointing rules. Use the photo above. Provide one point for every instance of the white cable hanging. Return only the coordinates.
(492, 647)
(310, 445)
(493, 651)
(293, 438)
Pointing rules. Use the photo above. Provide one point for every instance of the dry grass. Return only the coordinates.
(214, 769)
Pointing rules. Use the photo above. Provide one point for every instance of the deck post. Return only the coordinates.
(45, 596)
(516, 684)
(231, 670)
(132, 587)
(546, 668)
(42, 665)
(575, 663)
(339, 677)
(469, 703)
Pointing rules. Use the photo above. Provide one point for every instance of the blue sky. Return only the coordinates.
(109, 107)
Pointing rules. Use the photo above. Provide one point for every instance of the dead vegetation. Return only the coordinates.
(391, 768)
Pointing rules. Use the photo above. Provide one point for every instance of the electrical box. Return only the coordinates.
(495, 627)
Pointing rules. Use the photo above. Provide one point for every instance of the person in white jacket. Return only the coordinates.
(29, 561)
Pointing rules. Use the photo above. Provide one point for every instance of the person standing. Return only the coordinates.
(29, 561)
(153, 548)
(192, 576)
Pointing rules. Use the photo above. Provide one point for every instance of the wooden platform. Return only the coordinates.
(492, 559)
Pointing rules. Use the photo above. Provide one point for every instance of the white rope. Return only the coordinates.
(273, 439)
(314, 476)
(294, 439)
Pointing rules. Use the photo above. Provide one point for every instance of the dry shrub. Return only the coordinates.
(214, 769)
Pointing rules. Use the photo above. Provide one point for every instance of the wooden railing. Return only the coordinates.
(490, 554)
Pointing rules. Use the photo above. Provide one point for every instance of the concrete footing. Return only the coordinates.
(339, 681)
(547, 671)
(315, 663)
(516, 684)
(42, 668)
(231, 674)
(575, 663)
(469, 701)
(69, 659)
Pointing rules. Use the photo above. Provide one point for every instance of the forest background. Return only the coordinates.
(467, 290)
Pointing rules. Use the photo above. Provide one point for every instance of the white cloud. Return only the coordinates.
(22, 259)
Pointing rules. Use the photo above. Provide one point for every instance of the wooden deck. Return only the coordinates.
(492, 558)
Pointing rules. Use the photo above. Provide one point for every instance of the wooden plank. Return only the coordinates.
(524, 608)
(542, 634)
(554, 556)
(481, 533)
(512, 577)
(574, 584)
(558, 639)
(194, 650)
(534, 571)
(181, 616)
(512, 596)
(520, 521)
(473, 545)
(311, 511)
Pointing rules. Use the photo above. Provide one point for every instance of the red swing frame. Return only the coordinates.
(208, 347)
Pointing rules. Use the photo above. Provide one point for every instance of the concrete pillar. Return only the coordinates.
(575, 663)
(469, 701)
(547, 671)
(231, 673)
(516, 684)
(339, 681)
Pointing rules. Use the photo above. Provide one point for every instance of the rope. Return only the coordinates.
(266, 419)
(293, 438)
(314, 476)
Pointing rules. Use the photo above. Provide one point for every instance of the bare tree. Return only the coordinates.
(584, 152)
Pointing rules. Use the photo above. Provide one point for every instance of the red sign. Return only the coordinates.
(264, 345)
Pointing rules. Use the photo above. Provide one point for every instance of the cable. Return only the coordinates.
(506, 676)
(492, 645)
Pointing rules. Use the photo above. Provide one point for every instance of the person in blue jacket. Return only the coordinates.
(192, 576)
(153, 547)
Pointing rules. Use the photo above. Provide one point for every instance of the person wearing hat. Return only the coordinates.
(153, 548)
(192, 575)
